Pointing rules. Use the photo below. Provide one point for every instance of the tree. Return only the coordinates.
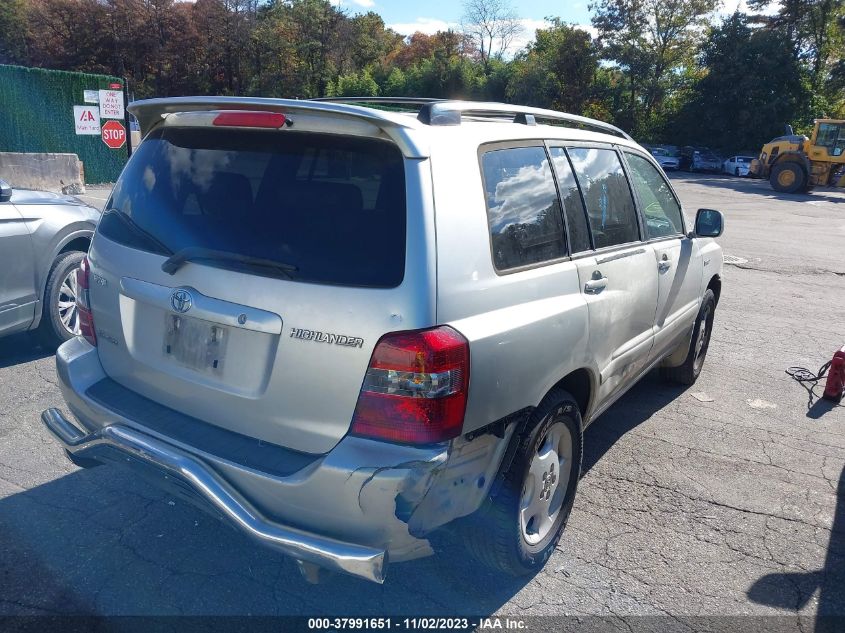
(13, 23)
(557, 70)
(816, 32)
(492, 25)
(753, 86)
(650, 40)
(353, 85)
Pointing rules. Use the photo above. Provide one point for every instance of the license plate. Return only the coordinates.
(197, 344)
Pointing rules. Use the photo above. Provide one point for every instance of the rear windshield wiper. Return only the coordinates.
(175, 261)
(133, 226)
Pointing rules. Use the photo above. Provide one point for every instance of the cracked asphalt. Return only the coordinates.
(727, 498)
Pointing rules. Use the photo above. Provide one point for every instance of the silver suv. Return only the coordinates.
(343, 328)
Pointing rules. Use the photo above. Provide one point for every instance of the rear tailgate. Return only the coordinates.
(275, 355)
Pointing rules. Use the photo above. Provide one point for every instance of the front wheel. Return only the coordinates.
(60, 317)
(690, 370)
(519, 525)
(787, 178)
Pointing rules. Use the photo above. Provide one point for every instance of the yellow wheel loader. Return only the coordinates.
(794, 163)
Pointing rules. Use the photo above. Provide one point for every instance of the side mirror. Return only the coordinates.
(709, 223)
(5, 191)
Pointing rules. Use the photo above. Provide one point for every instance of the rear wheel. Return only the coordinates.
(518, 527)
(690, 370)
(787, 178)
(60, 317)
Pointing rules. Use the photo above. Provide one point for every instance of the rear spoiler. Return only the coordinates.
(150, 112)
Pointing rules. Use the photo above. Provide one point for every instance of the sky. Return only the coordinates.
(429, 16)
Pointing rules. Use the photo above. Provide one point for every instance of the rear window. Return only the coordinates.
(610, 205)
(332, 206)
(523, 212)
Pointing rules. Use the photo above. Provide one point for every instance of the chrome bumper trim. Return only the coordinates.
(357, 560)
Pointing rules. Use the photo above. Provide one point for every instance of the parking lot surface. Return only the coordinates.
(724, 498)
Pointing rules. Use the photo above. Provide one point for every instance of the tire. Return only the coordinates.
(736, 172)
(787, 178)
(52, 330)
(500, 535)
(690, 370)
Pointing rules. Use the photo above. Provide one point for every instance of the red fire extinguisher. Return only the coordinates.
(835, 385)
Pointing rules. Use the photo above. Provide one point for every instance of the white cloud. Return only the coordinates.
(429, 26)
(367, 4)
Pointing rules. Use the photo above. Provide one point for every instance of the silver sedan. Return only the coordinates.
(43, 237)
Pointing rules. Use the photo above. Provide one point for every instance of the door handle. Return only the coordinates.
(664, 264)
(596, 284)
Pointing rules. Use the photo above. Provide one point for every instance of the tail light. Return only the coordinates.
(83, 305)
(415, 390)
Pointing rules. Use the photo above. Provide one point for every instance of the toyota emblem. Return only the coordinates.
(181, 300)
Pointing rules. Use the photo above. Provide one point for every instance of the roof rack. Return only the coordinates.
(446, 112)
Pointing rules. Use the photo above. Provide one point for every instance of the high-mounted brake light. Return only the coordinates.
(415, 390)
(273, 120)
(83, 302)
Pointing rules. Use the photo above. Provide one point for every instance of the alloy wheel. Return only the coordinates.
(546, 484)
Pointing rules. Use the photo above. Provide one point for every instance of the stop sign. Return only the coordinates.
(114, 134)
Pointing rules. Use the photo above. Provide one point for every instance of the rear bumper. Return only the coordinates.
(332, 554)
(348, 510)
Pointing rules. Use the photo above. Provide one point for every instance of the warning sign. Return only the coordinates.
(111, 104)
(114, 134)
(86, 119)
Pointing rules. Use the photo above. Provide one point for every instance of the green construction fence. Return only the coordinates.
(36, 115)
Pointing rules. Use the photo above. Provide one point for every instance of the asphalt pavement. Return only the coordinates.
(727, 498)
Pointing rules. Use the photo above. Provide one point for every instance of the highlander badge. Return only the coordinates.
(326, 337)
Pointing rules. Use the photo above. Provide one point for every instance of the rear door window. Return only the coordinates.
(523, 211)
(332, 206)
(573, 207)
(660, 208)
(610, 205)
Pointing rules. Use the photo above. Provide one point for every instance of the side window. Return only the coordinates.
(522, 207)
(662, 212)
(576, 218)
(610, 207)
(827, 135)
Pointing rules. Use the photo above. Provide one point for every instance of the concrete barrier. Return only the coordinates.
(62, 173)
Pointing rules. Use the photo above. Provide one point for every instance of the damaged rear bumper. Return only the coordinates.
(330, 553)
(349, 510)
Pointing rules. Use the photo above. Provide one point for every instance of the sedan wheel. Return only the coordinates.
(60, 318)
(66, 305)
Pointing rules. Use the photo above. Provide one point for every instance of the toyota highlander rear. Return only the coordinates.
(258, 328)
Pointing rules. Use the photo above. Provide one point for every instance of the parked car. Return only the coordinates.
(43, 238)
(737, 165)
(699, 159)
(276, 321)
(666, 160)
